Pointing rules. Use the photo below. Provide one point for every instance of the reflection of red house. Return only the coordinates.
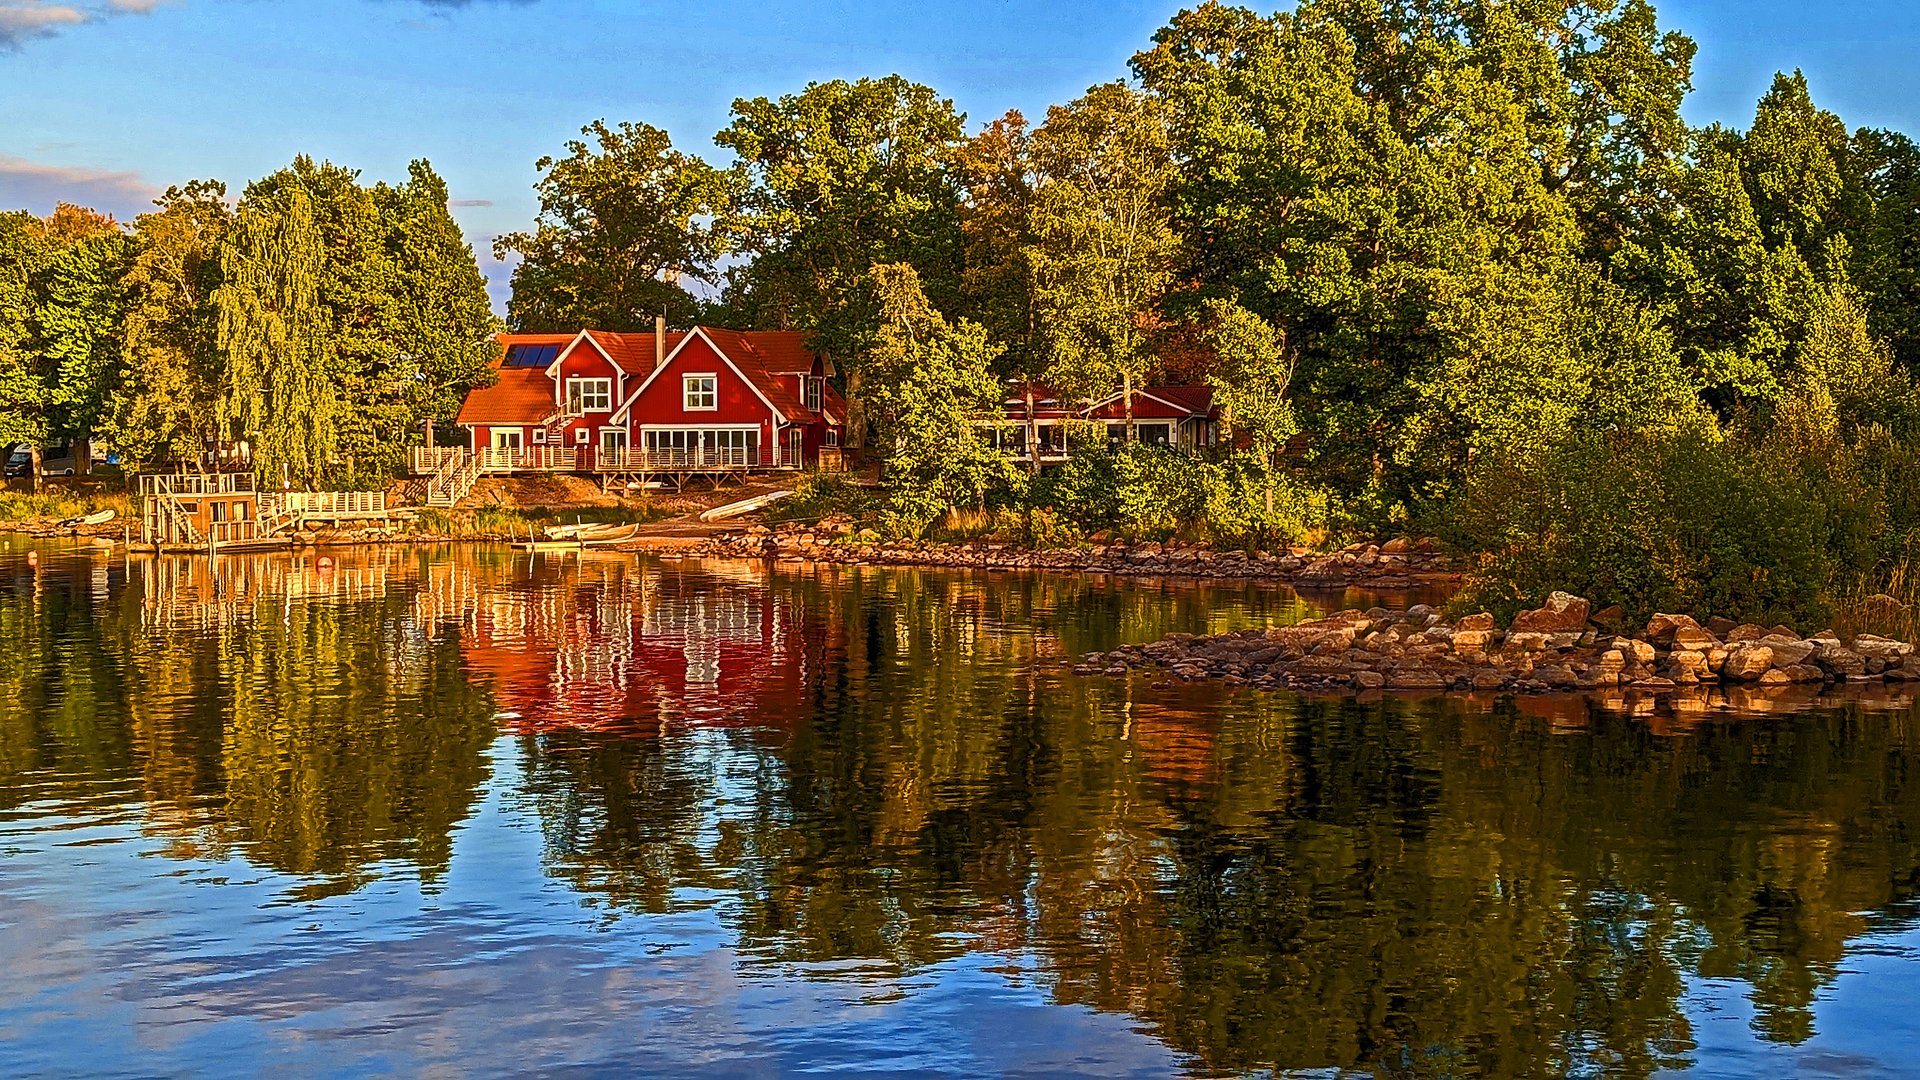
(601, 402)
(629, 647)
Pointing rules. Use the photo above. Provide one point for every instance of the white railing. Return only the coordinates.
(527, 459)
(330, 503)
(687, 460)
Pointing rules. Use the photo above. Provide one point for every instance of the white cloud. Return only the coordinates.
(24, 20)
(38, 185)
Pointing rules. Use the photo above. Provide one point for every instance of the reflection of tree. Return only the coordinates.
(1266, 881)
(297, 713)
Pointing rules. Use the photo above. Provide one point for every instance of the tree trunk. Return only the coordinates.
(33, 464)
(1126, 394)
(83, 457)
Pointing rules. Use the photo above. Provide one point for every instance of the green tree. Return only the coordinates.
(843, 177)
(931, 382)
(282, 383)
(624, 219)
(1103, 245)
(1250, 378)
(440, 324)
(162, 409)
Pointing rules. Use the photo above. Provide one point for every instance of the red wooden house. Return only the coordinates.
(671, 402)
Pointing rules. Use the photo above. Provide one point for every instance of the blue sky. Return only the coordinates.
(107, 101)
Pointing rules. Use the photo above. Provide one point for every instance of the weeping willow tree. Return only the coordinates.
(281, 385)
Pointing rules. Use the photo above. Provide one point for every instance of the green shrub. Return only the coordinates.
(1690, 522)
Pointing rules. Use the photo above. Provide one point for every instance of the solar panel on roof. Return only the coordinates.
(530, 355)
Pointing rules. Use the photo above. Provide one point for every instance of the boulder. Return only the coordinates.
(1416, 680)
(1788, 651)
(1368, 680)
(1482, 621)
(1841, 663)
(1875, 647)
(1745, 632)
(1467, 641)
(1563, 613)
(1747, 662)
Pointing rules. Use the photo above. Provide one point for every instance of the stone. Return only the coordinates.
(1416, 680)
(1661, 628)
(1874, 646)
(1745, 632)
(1563, 613)
(1803, 673)
(1482, 621)
(1638, 651)
(1788, 651)
(1775, 677)
(1368, 680)
(1467, 641)
(1611, 617)
(1747, 662)
(1841, 662)
(1399, 545)
(1721, 626)
(1488, 680)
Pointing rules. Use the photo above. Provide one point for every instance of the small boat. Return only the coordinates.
(98, 517)
(574, 537)
(744, 506)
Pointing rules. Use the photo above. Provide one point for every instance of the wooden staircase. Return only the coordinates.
(453, 478)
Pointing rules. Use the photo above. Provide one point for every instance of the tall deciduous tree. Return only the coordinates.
(440, 322)
(283, 370)
(162, 408)
(932, 380)
(624, 219)
(1103, 245)
(845, 176)
(1252, 371)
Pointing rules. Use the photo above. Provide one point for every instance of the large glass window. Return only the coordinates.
(701, 391)
(589, 395)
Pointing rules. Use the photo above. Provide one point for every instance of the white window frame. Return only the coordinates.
(832, 437)
(539, 434)
(711, 391)
(601, 390)
(811, 393)
(581, 436)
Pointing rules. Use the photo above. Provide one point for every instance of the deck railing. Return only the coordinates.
(547, 458)
(188, 485)
(693, 459)
(329, 503)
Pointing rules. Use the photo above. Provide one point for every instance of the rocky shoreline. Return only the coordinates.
(1396, 564)
(1560, 648)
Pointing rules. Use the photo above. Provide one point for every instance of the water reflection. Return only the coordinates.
(883, 794)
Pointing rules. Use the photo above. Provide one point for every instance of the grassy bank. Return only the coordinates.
(20, 508)
(507, 522)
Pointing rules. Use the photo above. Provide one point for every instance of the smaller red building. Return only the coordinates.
(1181, 417)
(696, 400)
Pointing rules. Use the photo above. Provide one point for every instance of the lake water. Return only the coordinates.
(467, 812)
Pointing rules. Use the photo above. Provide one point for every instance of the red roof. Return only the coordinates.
(522, 395)
(1049, 403)
(769, 359)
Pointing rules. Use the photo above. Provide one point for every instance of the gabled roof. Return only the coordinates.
(1050, 403)
(521, 396)
(770, 362)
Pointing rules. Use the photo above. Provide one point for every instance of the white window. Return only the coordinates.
(833, 436)
(580, 436)
(700, 392)
(813, 394)
(539, 434)
(589, 395)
